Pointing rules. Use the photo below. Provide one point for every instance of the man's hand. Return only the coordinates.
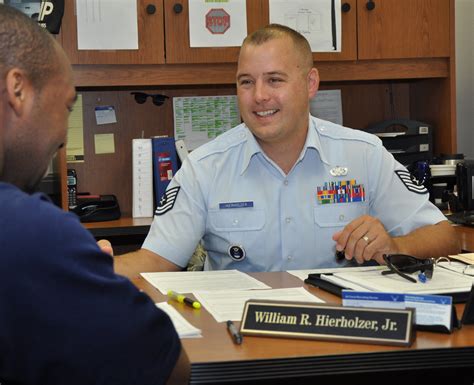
(364, 239)
(106, 246)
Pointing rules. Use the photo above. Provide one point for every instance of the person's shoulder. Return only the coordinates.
(332, 131)
(30, 210)
(224, 143)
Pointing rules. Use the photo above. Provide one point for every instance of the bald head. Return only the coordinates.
(26, 46)
(277, 31)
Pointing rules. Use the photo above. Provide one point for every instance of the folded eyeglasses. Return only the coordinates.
(403, 265)
(141, 97)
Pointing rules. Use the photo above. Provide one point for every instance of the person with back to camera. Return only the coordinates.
(260, 196)
(66, 317)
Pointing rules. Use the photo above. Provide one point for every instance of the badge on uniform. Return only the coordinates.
(167, 201)
(340, 192)
(410, 182)
(338, 171)
(236, 252)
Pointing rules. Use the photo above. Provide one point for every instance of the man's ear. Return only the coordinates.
(18, 88)
(313, 82)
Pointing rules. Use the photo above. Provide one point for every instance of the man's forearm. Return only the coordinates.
(142, 260)
(429, 241)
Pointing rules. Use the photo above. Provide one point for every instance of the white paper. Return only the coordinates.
(443, 281)
(313, 19)
(327, 105)
(303, 274)
(182, 326)
(107, 24)
(199, 119)
(229, 304)
(105, 115)
(221, 23)
(142, 178)
(190, 281)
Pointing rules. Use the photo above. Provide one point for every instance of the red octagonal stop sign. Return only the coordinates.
(217, 21)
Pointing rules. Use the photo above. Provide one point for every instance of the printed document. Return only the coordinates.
(182, 326)
(191, 281)
(107, 25)
(229, 304)
(319, 21)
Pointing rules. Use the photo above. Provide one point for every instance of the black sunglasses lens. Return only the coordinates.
(140, 97)
(159, 99)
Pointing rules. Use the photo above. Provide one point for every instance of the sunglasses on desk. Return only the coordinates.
(403, 265)
(141, 97)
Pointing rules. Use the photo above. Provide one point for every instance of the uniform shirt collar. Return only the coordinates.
(312, 141)
(251, 148)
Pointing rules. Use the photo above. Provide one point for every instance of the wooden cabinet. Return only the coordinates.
(151, 48)
(403, 29)
(178, 48)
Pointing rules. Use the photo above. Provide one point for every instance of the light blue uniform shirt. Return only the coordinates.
(232, 194)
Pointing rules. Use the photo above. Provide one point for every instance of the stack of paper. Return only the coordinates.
(183, 327)
(191, 281)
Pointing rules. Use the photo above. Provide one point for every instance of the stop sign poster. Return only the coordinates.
(219, 23)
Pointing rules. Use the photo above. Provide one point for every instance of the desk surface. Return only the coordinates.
(215, 358)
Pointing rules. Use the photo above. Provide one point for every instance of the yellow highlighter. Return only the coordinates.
(183, 299)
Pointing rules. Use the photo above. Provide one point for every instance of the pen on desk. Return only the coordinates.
(236, 336)
(183, 299)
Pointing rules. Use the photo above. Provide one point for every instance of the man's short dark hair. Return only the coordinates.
(276, 31)
(27, 46)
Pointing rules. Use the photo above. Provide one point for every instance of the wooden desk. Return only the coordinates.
(216, 359)
(466, 237)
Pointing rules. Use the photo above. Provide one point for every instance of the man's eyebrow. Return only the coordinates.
(242, 76)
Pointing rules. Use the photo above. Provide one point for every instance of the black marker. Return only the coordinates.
(236, 336)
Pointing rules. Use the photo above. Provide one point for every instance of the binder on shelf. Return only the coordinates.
(165, 164)
(142, 170)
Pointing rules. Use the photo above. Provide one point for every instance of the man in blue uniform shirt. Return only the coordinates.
(65, 316)
(285, 190)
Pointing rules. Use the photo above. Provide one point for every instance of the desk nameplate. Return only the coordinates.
(328, 322)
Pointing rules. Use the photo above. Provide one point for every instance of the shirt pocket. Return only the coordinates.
(338, 215)
(237, 220)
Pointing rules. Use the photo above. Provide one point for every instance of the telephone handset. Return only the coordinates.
(71, 188)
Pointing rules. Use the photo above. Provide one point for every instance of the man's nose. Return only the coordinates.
(261, 92)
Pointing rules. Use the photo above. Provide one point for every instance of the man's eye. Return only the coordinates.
(275, 80)
(70, 108)
(245, 82)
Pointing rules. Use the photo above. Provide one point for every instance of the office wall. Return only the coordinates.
(465, 76)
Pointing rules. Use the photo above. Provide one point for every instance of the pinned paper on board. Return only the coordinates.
(319, 21)
(220, 23)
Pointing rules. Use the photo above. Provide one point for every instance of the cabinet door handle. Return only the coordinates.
(178, 8)
(346, 7)
(150, 9)
(370, 5)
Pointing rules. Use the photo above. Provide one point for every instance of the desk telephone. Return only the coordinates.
(97, 208)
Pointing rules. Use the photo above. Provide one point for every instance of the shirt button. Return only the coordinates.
(285, 182)
(289, 258)
(288, 220)
(235, 222)
(341, 217)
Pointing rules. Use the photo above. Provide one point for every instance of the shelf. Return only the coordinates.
(119, 227)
